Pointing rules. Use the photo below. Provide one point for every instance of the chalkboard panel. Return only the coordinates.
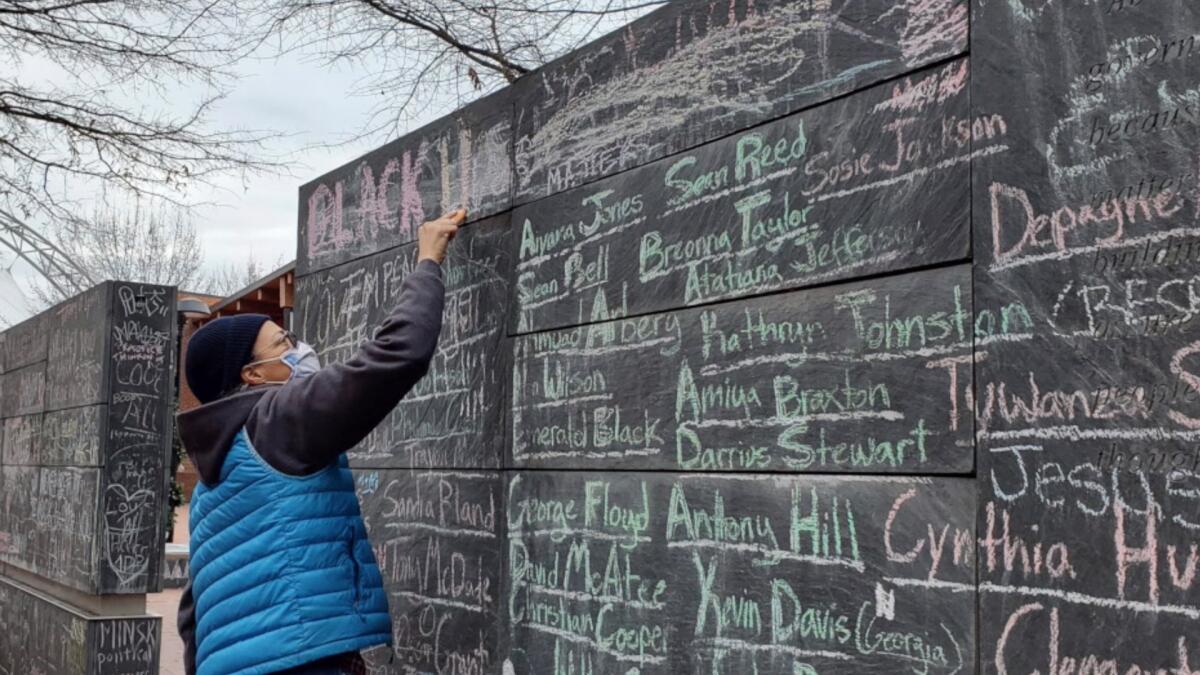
(455, 416)
(1096, 537)
(22, 436)
(76, 350)
(40, 635)
(72, 437)
(696, 70)
(48, 522)
(17, 508)
(1089, 418)
(137, 437)
(855, 377)
(438, 541)
(664, 573)
(24, 390)
(379, 200)
(66, 529)
(24, 343)
(878, 181)
(125, 646)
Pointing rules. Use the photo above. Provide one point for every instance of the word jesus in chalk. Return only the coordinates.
(1152, 558)
(1150, 461)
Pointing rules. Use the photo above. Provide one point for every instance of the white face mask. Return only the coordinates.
(302, 359)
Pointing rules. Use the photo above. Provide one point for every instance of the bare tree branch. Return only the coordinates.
(227, 279)
(100, 115)
(443, 53)
(145, 242)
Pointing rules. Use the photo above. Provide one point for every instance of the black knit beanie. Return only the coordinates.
(217, 352)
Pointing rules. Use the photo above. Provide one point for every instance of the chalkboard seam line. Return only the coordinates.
(872, 276)
(75, 611)
(931, 66)
(1073, 597)
(975, 342)
(387, 249)
(47, 411)
(736, 474)
(53, 466)
(683, 474)
(310, 270)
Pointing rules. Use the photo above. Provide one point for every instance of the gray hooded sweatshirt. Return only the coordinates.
(301, 427)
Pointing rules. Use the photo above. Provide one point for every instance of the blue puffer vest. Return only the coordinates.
(282, 571)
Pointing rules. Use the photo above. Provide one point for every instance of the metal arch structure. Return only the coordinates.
(60, 271)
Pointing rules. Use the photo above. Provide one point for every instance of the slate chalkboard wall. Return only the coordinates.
(796, 337)
(41, 635)
(87, 391)
(1088, 420)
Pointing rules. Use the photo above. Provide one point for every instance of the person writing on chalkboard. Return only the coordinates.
(282, 578)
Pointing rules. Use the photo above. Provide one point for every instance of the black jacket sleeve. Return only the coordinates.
(186, 624)
(302, 426)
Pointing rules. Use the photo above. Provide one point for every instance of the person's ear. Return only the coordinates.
(252, 376)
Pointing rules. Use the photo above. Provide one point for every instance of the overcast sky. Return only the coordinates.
(314, 104)
(303, 100)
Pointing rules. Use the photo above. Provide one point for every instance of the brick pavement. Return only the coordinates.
(166, 604)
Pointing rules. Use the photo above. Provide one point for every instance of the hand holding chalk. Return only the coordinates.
(433, 237)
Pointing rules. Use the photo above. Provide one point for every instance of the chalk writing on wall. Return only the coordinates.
(86, 434)
(437, 538)
(379, 201)
(138, 435)
(452, 416)
(1088, 424)
(75, 354)
(838, 191)
(72, 437)
(668, 573)
(856, 377)
(694, 71)
(756, 244)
